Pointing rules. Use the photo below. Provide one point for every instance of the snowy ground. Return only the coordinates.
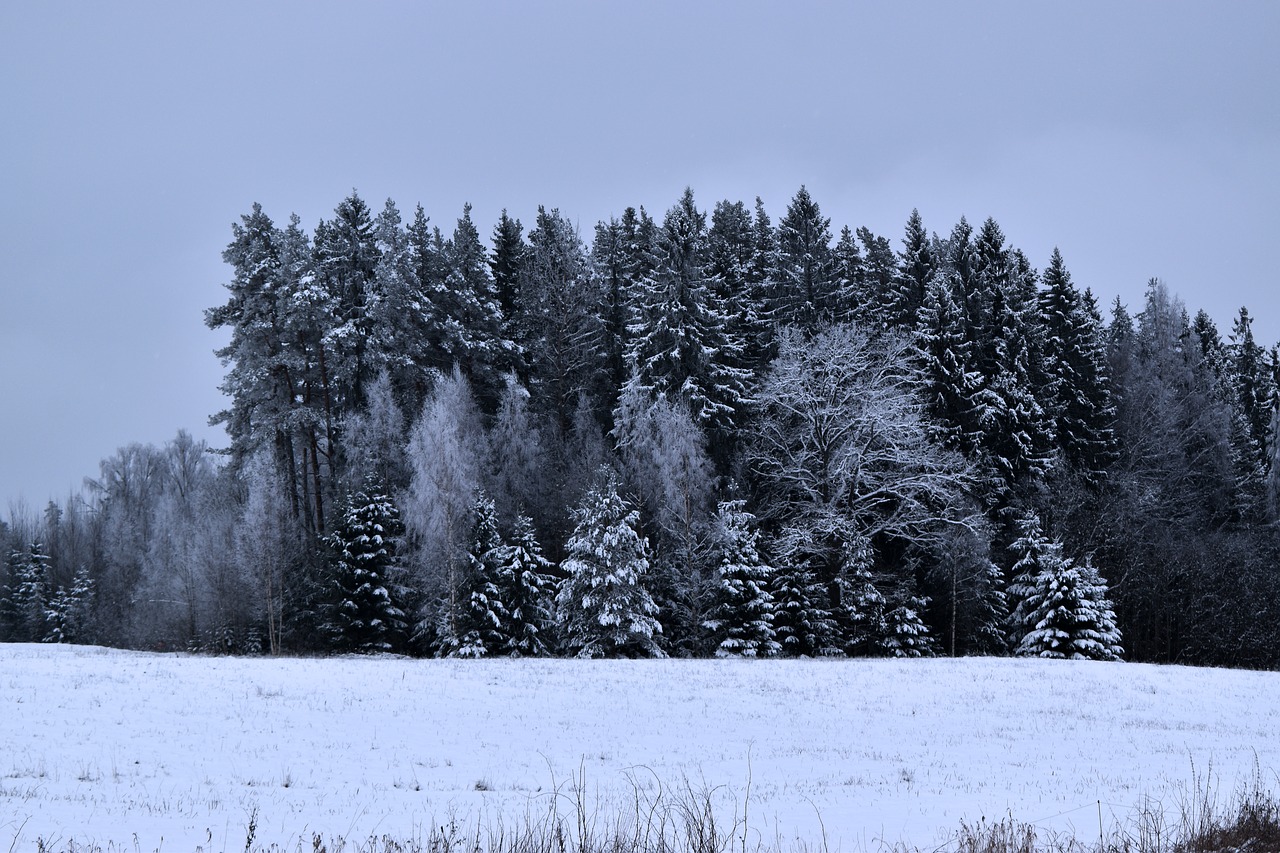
(174, 752)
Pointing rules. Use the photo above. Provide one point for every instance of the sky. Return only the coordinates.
(1142, 139)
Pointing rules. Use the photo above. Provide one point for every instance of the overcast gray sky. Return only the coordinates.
(1143, 139)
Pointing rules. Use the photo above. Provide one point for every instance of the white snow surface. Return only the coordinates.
(175, 752)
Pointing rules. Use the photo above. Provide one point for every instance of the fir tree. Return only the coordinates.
(368, 616)
(603, 607)
(741, 617)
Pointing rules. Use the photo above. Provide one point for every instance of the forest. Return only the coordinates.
(704, 435)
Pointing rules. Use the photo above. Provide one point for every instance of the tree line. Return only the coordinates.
(705, 435)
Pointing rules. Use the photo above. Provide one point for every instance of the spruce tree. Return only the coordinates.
(1080, 386)
(805, 292)
(526, 583)
(603, 607)
(32, 592)
(69, 613)
(1069, 613)
(679, 344)
(477, 630)
(803, 621)
(741, 617)
(917, 266)
(368, 615)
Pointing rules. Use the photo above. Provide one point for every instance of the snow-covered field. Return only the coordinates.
(175, 752)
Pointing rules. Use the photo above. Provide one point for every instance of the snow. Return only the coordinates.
(179, 751)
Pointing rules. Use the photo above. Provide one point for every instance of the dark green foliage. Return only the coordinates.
(367, 615)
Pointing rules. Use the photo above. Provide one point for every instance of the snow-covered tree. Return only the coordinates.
(266, 545)
(69, 613)
(1080, 391)
(741, 616)
(526, 583)
(845, 457)
(906, 635)
(678, 345)
(603, 607)
(368, 615)
(374, 438)
(31, 592)
(475, 629)
(805, 287)
(445, 453)
(1069, 613)
(518, 465)
(804, 620)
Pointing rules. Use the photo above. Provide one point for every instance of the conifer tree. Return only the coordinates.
(69, 613)
(806, 276)
(741, 616)
(475, 320)
(880, 279)
(346, 257)
(561, 330)
(526, 583)
(1033, 552)
(603, 607)
(853, 299)
(506, 267)
(1069, 613)
(32, 592)
(368, 615)
(917, 266)
(803, 622)
(1080, 382)
(906, 634)
(477, 629)
(679, 345)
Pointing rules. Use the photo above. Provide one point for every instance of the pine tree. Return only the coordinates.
(741, 617)
(368, 615)
(526, 583)
(603, 607)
